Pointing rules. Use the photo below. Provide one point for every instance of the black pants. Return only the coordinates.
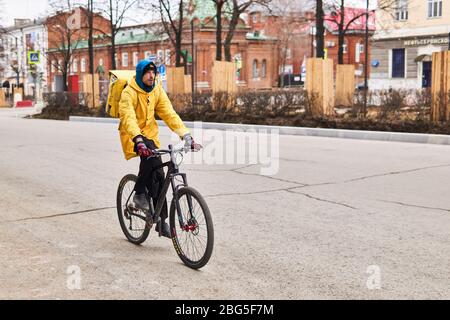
(151, 180)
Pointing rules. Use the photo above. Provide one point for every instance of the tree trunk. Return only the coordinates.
(113, 40)
(233, 23)
(178, 39)
(219, 5)
(319, 29)
(64, 79)
(341, 34)
(90, 39)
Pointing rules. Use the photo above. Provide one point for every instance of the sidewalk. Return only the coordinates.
(21, 112)
(302, 131)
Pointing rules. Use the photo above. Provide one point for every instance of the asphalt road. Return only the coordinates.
(340, 219)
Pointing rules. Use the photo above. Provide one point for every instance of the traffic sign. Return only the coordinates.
(33, 57)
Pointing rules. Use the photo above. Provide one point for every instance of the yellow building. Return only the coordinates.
(406, 37)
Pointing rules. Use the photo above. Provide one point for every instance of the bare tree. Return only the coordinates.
(290, 18)
(320, 29)
(238, 8)
(345, 20)
(219, 12)
(116, 11)
(172, 18)
(64, 36)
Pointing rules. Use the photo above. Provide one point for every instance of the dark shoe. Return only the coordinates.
(165, 232)
(140, 201)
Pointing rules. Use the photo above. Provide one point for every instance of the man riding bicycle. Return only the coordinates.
(139, 133)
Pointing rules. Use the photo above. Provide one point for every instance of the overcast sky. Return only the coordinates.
(35, 8)
(22, 9)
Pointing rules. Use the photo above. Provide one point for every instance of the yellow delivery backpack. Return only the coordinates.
(118, 80)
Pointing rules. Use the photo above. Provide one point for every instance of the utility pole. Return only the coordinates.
(366, 59)
(91, 46)
(192, 63)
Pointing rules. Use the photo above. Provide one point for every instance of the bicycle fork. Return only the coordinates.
(190, 224)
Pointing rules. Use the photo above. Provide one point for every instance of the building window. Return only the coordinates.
(255, 18)
(255, 69)
(52, 66)
(401, 10)
(100, 62)
(357, 52)
(135, 58)
(434, 8)
(75, 65)
(147, 54)
(288, 53)
(59, 66)
(167, 57)
(344, 48)
(83, 65)
(398, 63)
(125, 59)
(264, 68)
(159, 56)
(361, 48)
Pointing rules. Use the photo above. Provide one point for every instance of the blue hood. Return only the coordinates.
(140, 72)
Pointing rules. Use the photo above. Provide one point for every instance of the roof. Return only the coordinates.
(122, 38)
(332, 18)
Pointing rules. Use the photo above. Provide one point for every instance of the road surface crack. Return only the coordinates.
(58, 215)
(414, 205)
(320, 199)
(246, 193)
(395, 172)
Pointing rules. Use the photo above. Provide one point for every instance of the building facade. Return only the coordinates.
(405, 39)
(26, 39)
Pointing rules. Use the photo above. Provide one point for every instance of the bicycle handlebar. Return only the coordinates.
(160, 152)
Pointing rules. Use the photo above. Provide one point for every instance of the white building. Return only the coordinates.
(24, 38)
(405, 40)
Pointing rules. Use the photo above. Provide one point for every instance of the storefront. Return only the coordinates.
(404, 63)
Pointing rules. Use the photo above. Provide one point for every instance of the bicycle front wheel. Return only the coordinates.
(191, 229)
(132, 221)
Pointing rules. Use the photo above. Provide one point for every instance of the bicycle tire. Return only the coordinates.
(182, 253)
(120, 206)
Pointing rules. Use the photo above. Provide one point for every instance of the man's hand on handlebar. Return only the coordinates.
(141, 148)
(190, 144)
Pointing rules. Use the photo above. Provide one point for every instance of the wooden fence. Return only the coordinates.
(177, 81)
(345, 84)
(87, 88)
(224, 77)
(440, 86)
(320, 85)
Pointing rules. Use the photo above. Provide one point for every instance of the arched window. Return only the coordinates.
(255, 69)
(75, 65)
(264, 68)
(83, 65)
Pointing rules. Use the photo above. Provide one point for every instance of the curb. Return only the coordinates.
(303, 131)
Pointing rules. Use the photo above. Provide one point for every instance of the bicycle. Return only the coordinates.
(191, 228)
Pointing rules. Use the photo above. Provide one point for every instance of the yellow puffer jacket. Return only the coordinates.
(137, 116)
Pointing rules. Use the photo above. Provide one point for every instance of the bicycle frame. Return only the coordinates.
(172, 171)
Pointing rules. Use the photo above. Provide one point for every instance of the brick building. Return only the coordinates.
(264, 45)
(295, 34)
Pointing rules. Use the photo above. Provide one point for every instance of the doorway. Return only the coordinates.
(426, 74)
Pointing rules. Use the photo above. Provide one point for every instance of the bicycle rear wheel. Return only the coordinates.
(132, 221)
(192, 234)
